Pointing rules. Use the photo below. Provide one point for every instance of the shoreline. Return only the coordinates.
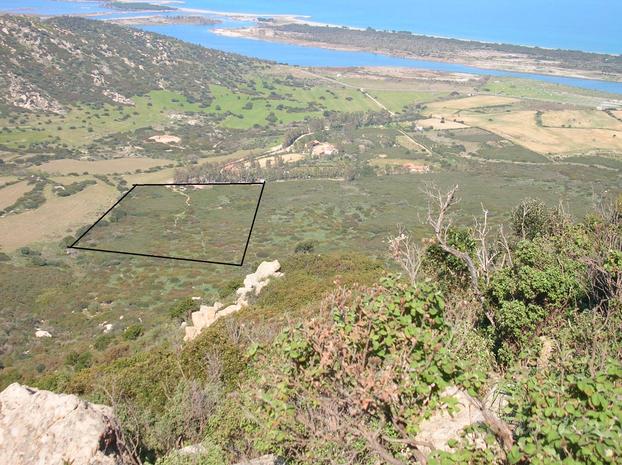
(290, 18)
(270, 28)
(285, 18)
(488, 62)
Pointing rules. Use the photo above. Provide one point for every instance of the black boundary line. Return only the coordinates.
(250, 232)
(156, 256)
(248, 239)
(255, 183)
(101, 218)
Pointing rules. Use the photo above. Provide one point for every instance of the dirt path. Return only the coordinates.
(538, 163)
(418, 144)
(181, 215)
(345, 84)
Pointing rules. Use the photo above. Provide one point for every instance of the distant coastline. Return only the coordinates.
(485, 55)
(161, 19)
(302, 31)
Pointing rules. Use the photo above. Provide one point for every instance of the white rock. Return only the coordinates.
(267, 269)
(193, 449)
(41, 333)
(253, 284)
(441, 427)
(191, 332)
(41, 427)
(229, 310)
(108, 327)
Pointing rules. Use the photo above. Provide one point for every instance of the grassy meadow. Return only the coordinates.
(499, 150)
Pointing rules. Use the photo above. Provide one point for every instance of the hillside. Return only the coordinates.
(45, 65)
(375, 297)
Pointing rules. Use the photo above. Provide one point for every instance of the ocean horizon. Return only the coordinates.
(566, 24)
(442, 22)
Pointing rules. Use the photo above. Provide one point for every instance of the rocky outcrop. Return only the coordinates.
(43, 428)
(441, 427)
(253, 284)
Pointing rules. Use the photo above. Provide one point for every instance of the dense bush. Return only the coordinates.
(361, 376)
(133, 332)
(567, 418)
(307, 246)
(183, 309)
(542, 286)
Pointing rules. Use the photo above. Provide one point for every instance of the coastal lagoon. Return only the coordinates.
(315, 56)
(499, 20)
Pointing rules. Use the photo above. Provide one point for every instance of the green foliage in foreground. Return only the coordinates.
(326, 367)
(373, 365)
(568, 418)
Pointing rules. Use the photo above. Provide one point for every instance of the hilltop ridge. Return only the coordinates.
(46, 64)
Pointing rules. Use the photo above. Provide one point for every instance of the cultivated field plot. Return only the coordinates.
(565, 132)
(198, 222)
(117, 165)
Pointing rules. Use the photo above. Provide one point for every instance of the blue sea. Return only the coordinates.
(568, 24)
(589, 25)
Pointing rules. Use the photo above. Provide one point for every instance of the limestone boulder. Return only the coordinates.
(253, 284)
(43, 428)
(267, 270)
(442, 426)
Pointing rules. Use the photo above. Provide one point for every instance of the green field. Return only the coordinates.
(265, 104)
(205, 223)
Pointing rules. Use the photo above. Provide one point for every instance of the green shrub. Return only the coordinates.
(79, 360)
(447, 269)
(306, 246)
(530, 219)
(568, 418)
(103, 341)
(230, 287)
(544, 284)
(133, 332)
(377, 360)
(183, 309)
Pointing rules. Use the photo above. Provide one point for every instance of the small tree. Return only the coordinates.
(530, 219)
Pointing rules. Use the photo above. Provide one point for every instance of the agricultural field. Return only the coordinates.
(543, 92)
(522, 128)
(581, 119)
(11, 193)
(56, 218)
(544, 132)
(118, 165)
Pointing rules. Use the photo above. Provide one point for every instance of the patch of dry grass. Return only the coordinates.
(437, 123)
(476, 101)
(57, 217)
(590, 119)
(10, 194)
(117, 165)
(521, 128)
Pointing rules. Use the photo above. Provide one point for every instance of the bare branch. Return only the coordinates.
(407, 253)
(438, 219)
